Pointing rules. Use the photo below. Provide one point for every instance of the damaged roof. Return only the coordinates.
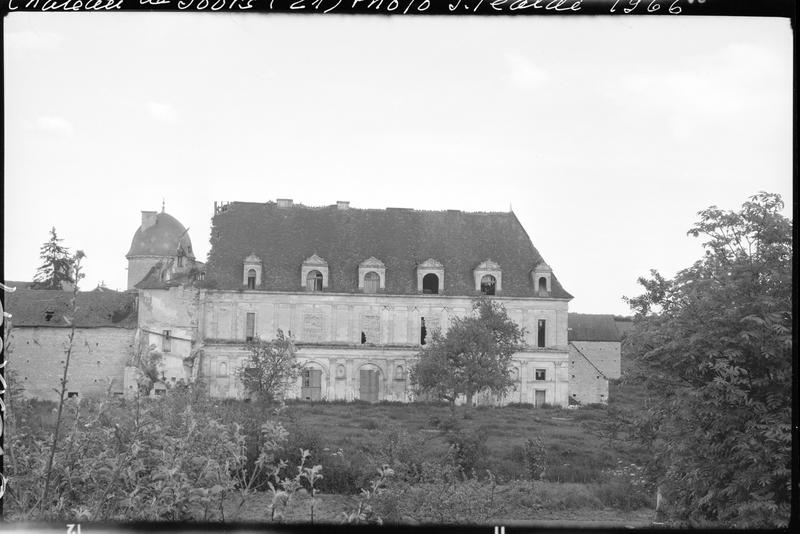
(42, 307)
(282, 237)
(592, 327)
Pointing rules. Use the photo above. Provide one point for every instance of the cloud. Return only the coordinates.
(162, 112)
(524, 73)
(28, 40)
(54, 125)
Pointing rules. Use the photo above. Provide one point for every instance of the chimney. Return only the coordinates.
(148, 219)
(284, 202)
(342, 204)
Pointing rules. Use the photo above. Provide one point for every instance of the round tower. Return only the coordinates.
(160, 238)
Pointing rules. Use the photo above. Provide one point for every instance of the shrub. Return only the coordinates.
(471, 450)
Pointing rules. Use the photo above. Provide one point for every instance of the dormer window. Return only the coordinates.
(371, 275)
(314, 281)
(314, 273)
(251, 277)
(488, 284)
(488, 278)
(541, 276)
(430, 284)
(372, 282)
(430, 277)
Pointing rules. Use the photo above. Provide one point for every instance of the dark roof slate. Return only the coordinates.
(29, 307)
(400, 238)
(163, 238)
(591, 327)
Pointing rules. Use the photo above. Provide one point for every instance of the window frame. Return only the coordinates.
(166, 341)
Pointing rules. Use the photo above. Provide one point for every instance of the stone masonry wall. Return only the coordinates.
(586, 384)
(98, 360)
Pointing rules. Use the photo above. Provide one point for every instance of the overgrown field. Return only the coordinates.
(187, 457)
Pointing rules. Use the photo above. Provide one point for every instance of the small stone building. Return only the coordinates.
(39, 334)
(595, 357)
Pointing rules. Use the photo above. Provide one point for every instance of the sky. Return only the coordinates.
(604, 135)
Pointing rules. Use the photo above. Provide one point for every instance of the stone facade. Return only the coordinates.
(97, 363)
(327, 329)
(591, 366)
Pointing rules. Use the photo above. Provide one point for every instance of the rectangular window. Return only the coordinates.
(166, 341)
(72, 394)
(250, 327)
(423, 331)
(540, 337)
(540, 374)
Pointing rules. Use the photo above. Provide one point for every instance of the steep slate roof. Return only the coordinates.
(590, 327)
(95, 308)
(400, 238)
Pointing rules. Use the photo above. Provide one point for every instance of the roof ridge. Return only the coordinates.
(272, 203)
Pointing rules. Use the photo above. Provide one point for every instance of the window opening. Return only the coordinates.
(250, 327)
(363, 338)
(72, 394)
(541, 331)
(542, 285)
(372, 281)
(48, 315)
(488, 283)
(423, 331)
(540, 374)
(251, 279)
(430, 284)
(166, 342)
(314, 281)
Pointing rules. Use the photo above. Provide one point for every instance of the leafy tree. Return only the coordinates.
(715, 346)
(56, 268)
(474, 355)
(270, 366)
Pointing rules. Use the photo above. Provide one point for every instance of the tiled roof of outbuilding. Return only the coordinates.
(400, 238)
(592, 327)
(32, 307)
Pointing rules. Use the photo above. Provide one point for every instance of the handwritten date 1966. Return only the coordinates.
(652, 6)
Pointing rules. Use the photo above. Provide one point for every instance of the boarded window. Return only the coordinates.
(250, 327)
(488, 283)
(223, 370)
(251, 279)
(313, 326)
(314, 281)
(370, 328)
(166, 341)
(430, 284)
(372, 281)
(540, 338)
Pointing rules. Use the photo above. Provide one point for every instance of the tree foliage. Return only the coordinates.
(56, 269)
(474, 355)
(715, 345)
(270, 367)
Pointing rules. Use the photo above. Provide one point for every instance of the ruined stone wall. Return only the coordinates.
(98, 360)
(177, 310)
